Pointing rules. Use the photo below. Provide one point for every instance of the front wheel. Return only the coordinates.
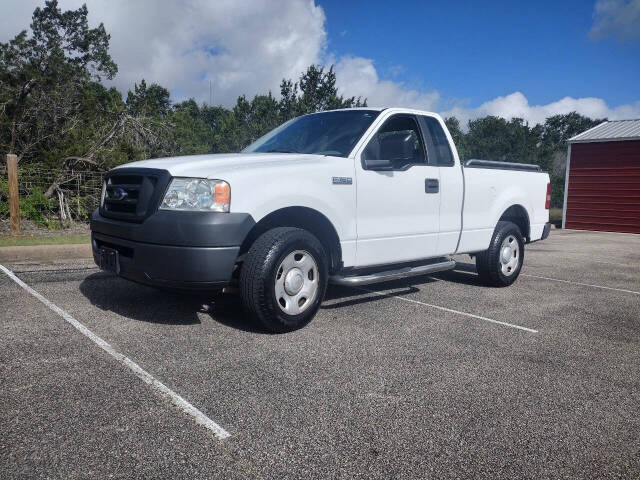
(284, 278)
(500, 264)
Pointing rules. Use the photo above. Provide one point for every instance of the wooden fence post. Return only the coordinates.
(14, 205)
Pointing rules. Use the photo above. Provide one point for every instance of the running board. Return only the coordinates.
(377, 277)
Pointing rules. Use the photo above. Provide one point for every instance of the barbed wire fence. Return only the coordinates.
(71, 198)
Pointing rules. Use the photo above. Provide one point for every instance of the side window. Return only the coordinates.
(397, 140)
(437, 143)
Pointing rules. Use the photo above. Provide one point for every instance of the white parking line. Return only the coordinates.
(591, 259)
(561, 281)
(450, 310)
(199, 417)
(580, 283)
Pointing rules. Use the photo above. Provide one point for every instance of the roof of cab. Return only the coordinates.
(380, 109)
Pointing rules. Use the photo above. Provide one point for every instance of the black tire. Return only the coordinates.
(488, 263)
(258, 276)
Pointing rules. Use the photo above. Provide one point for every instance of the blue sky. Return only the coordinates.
(480, 50)
(469, 59)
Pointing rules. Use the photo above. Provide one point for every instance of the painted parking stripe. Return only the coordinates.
(591, 259)
(580, 283)
(633, 292)
(199, 417)
(450, 310)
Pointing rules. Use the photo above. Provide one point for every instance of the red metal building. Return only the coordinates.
(602, 184)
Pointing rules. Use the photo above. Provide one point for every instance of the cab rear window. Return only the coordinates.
(437, 144)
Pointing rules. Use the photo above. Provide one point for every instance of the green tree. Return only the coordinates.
(560, 128)
(255, 118)
(288, 100)
(219, 122)
(552, 148)
(495, 138)
(191, 134)
(453, 125)
(42, 76)
(315, 91)
(152, 101)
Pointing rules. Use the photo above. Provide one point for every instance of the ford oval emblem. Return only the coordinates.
(118, 193)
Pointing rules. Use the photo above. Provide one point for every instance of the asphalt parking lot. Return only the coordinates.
(429, 378)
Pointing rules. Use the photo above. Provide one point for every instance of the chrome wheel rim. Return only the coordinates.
(509, 255)
(296, 282)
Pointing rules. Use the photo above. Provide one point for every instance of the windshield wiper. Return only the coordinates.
(275, 150)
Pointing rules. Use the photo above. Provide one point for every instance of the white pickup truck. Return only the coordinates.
(349, 197)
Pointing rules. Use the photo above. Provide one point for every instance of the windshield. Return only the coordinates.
(327, 133)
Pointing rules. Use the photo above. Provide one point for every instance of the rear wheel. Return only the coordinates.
(500, 264)
(284, 278)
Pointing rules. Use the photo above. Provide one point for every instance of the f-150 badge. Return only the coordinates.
(342, 180)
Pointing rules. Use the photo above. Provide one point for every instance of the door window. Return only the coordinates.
(398, 140)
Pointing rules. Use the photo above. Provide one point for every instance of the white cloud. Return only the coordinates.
(618, 18)
(357, 76)
(248, 46)
(243, 47)
(516, 105)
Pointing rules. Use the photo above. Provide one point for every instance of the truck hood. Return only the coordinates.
(223, 166)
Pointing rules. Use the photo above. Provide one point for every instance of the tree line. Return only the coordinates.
(56, 112)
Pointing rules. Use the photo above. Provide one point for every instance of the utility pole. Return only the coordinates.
(210, 94)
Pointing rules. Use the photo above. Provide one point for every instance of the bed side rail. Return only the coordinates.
(476, 163)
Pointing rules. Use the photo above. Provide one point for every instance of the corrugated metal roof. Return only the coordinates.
(610, 131)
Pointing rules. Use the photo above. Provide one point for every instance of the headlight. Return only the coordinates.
(197, 194)
(103, 193)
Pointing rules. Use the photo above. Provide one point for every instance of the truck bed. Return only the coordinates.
(490, 188)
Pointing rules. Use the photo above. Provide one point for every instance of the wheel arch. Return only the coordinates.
(300, 217)
(518, 215)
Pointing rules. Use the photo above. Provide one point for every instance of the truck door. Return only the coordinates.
(440, 154)
(398, 203)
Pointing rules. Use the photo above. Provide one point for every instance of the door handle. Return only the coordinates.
(431, 185)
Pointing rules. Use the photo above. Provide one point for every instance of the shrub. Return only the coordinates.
(4, 199)
(38, 208)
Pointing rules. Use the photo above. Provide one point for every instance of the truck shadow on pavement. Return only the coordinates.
(465, 273)
(110, 293)
(140, 302)
(343, 296)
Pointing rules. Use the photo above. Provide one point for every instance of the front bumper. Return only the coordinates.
(186, 250)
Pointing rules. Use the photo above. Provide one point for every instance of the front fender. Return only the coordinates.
(260, 193)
